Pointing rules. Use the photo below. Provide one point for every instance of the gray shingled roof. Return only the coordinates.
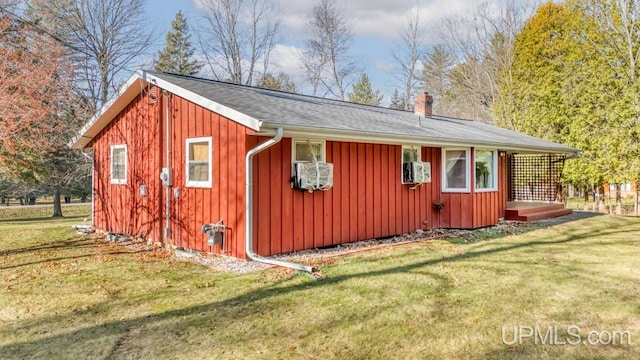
(286, 110)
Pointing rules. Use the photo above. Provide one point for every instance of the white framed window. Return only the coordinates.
(199, 167)
(455, 169)
(409, 154)
(308, 150)
(118, 164)
(486, 169)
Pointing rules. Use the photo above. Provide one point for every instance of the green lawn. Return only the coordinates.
(65, 296)
(44, 211)
(628, 204)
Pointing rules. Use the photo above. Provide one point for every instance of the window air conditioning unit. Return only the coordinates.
(416, 172)
(312, 176)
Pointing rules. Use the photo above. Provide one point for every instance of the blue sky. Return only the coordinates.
(375, 24)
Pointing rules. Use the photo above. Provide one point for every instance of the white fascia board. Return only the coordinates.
(209, 104)
(129, 90)
(378, 138)
(108, 111)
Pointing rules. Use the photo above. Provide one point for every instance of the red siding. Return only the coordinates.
(361, 204)
(119, 207)
(225, 199)
(367, 200)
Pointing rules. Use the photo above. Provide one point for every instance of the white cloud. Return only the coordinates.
(376, 25)
(287, 59)
(381, 18)
(375, 17)
(384, 66)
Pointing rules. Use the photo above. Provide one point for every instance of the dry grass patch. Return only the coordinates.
(65, 296)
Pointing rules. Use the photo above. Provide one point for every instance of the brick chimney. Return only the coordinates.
(423, 104)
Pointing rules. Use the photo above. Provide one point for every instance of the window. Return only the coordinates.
(455, 176)
(308, 150)
(485, 169)
(199, 162)
(118, 164)
(409, 154)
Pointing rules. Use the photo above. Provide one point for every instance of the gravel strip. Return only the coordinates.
(315, 256)
(222, 263)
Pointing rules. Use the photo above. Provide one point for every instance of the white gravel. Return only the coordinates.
(239, 266)
(223, 263)
(235, 265)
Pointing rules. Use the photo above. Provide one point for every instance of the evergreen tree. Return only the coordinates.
(362, 93)
(436, 77)
(568, 85)
(176, 56)
(397, 101)
(282, 82)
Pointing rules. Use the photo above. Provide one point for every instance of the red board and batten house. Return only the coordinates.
(392, 172)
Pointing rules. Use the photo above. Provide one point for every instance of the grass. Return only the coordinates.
(67, 297)
(43, 212)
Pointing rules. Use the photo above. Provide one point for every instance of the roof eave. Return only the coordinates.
(380, 138)
(108, 111)
(206, 103)
(129, 90)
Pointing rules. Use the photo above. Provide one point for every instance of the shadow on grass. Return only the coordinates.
(66, 258)
(71, 243)
(237, 307)
(496, 232)
(43, 219)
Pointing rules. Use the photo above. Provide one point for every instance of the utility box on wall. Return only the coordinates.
(215, 233)
(166, 176)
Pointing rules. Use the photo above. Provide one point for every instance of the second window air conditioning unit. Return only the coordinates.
(416, 172)
(312, 176)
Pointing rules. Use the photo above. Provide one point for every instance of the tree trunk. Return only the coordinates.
(57, 206)
(586, 197)
(601, 207)
(618, 199)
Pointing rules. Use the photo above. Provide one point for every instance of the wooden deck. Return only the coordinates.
(531, 211)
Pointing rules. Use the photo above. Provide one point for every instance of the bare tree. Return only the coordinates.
(407, 54)
(107, 37)
(483, 42)
(327, 56)
(238, 36)
(313, 65)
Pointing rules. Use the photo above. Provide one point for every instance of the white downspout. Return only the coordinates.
(249, 209)
(167, 189)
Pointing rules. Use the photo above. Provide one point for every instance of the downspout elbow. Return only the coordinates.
(249, 208)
